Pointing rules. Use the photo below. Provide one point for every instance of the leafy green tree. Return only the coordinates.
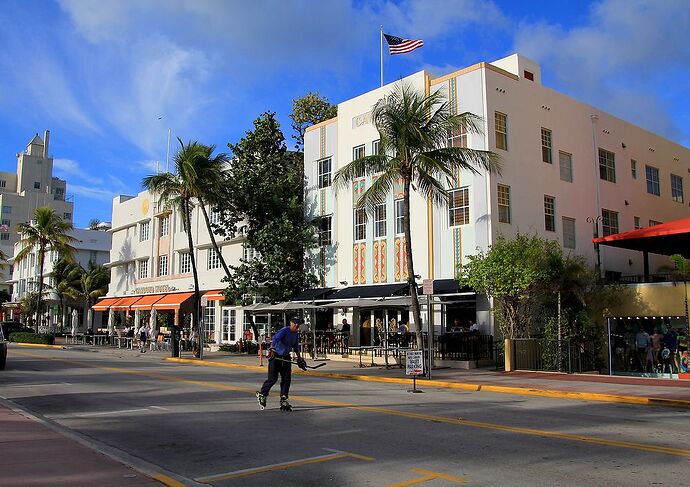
(682, 273)
(263, 202)
(30, 306)
(93, 283)
(414, 129)
(67, 279)
(46, 231)
(308, 110)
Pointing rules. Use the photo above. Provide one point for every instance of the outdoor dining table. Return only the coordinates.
(373, 348)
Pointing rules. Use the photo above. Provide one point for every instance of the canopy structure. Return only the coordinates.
(104, 304)
(146, 302)
(216, 295)
(375, 291)
(124, 303)
(172, 301)
(666, 239)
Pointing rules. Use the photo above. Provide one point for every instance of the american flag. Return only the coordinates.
(397, 45)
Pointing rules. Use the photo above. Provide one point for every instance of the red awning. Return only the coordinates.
(104, 304)
(666, 239)
(172, 301)
(125, 303)
(147, 301)
(214, 295)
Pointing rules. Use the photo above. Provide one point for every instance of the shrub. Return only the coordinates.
(228, 347)
(24, 337)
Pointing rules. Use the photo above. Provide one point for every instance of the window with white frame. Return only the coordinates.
(653, 186)
(3, 183)
(633, 168)
(7, 209)
(249, 253)
(568, 232)
(565, 162)
(325, 230)
(677, 188)
(324, 173)
(503, 197)
(357, 153)
(67, 216)
(546, 146)
(501, 123)
(636, 222)
(380, 220)
(399, 217)
(229, 324)
(185, 262)
(375, 147)
(162, 265)
(93, 256)
(143, 269)
(459, 207)
(37, 185)
(4, 236)
(165, 225)
(213, 259)
(549, 213)
(215, 215)
(607, 165)
(143, 231)
(360, 224)
(458, 137)
(210, 320)
(609, 222)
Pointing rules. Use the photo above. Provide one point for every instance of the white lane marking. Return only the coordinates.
(112, 413)
(159, 407)
(40, 385)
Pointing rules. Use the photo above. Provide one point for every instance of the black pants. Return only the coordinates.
(276, 367)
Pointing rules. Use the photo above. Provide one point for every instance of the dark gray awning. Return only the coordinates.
(312, 294)
(380, 291)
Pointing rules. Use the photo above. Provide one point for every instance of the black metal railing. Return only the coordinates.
(539, 354)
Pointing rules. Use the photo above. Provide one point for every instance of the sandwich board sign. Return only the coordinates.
(414, 366)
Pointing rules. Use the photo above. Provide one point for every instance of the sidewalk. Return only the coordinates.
(32, 454)
(601, 388)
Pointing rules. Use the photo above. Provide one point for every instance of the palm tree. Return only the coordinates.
(46, 231)
(67, 278)
(414, 129)
(192, 172)
(93, 283)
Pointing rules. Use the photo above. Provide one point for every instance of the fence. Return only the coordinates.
(539, 354)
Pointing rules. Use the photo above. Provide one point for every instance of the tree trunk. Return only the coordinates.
(213, 238)
(197, 298)
(416, 314)
(41, 258)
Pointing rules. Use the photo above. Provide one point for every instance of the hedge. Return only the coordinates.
(24, 337)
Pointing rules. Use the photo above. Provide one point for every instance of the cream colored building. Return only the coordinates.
(567, 166)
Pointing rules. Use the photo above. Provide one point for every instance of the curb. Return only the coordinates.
(573, 395)
(38, 345)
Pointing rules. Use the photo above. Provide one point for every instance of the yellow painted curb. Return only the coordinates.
(169, 481)
(38, 345)
(581, 396)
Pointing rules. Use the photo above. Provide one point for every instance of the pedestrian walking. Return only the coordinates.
(280, 363)
(143, 338)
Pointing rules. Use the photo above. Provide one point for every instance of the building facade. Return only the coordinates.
(569, 171)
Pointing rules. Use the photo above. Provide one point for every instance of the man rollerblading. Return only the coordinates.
(279, 363)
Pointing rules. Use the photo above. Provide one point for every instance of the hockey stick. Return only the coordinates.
(307, 366)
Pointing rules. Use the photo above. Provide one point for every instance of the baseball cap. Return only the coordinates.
(296, 320)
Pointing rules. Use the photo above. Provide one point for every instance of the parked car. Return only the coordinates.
(3, 350)
(13, 326)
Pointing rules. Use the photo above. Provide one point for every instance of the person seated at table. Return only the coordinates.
(378, 332)
(345, 330)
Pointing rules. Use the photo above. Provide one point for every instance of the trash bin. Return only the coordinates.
(176, 335)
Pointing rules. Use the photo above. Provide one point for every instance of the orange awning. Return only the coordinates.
(214, 295)
(104, 304)
(172, 301)
(147, 301)
(124, 303)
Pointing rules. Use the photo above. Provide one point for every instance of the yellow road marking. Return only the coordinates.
(280, 466)
(405, 414)
(428, 475)
(169, 481)
(38, 345)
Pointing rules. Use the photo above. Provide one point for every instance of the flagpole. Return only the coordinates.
(382, 55)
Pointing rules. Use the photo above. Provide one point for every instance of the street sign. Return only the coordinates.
(414, 363)
(428, 287)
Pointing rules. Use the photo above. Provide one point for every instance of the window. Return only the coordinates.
(144, 231)
(249, 253)
(459, 211)
(458, 138)
(565, 161)
(607, 165)
(4, 236)
(677, 188)
(633, 168)
(7, 209)
(210, 320)
(162, 265)
(360, 224)
(501, 122)
(399, 217)
(165, 226)
(93, 256)
(636, 222)
(380, 220)
(6, 222)
(546, 154)
(37, 185)
(324, 173)
(67, 216)
(325, 230)
(609, 222)
(652, 174)
(375, 146)
(358, 153)
(143, 269)
(3, 183)
(185, 262)
(549, 213)
(213, 259)
(229, 324)
(503, 195)
(528, 75)
(568, 232)
(654, 222)
(215, 215)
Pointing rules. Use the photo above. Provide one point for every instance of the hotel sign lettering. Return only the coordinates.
(165, 288)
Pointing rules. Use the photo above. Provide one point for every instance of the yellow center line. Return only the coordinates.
(404, 414)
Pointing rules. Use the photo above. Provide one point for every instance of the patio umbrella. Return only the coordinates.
(111, 322)
(152, 321)
(75, 322)
(89, 319)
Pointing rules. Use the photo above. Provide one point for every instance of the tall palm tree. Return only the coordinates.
(46, 231)
(66, 278)
(93, 283)
(180, 190)
(414, 129)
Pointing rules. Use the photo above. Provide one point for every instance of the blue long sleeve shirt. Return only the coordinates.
(284, 341)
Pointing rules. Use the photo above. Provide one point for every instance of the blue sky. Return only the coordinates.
(109, 77)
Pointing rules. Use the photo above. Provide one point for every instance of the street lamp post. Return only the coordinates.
(595, 234)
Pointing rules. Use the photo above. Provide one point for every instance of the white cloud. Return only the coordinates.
(71, 170)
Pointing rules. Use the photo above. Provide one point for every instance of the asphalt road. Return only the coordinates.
(203, 424)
